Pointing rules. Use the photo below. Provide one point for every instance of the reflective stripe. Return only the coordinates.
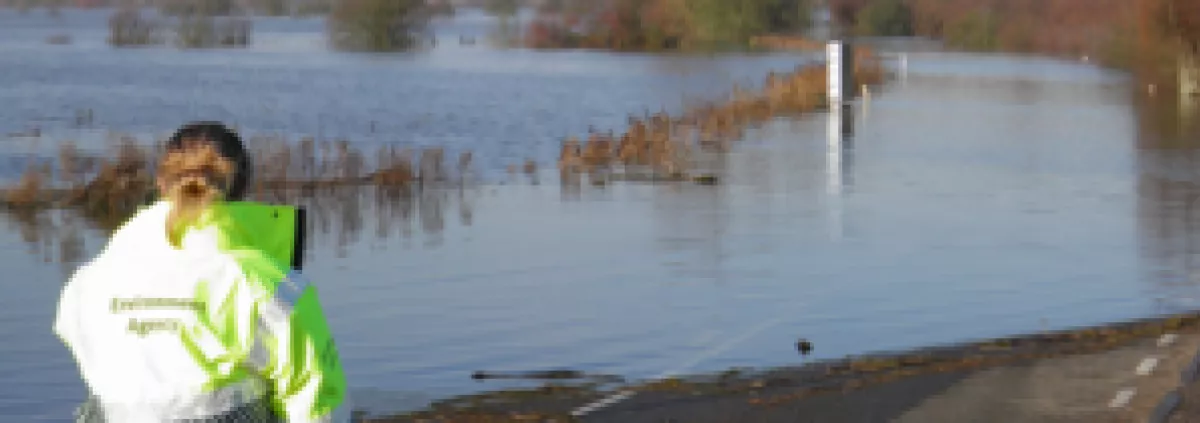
(304, 362)
(289, 290)
(259, 356)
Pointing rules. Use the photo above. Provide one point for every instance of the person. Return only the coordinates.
(196, 309)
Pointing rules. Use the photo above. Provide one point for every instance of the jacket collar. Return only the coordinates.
(276, 230)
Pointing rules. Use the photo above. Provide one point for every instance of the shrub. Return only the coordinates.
(128, 28)
(976, 31)
(196, 7)
(202, 31)
(376, 25)
(885, 18)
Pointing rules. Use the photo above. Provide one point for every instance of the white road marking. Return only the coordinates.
(1147, 365)
(1122, 398)
(703, 355)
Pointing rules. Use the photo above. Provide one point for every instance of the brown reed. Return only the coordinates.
(111, 186)
(664, 146)
(658, 143)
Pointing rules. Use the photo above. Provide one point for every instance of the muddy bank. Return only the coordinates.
(767, 389)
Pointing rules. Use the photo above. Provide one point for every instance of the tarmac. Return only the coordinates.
(1110, 386)
(1126, 372)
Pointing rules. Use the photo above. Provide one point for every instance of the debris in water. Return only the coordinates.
(557, 374)
(705, 180)
(804, 346)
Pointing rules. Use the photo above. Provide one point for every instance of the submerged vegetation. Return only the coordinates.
(663, 24)
(508, 30)
(663, 147)
(200, 31)
(337, 219)
(659, 147)
(108, 189)
(352, 25)
(128, 27)
(197, 7)
(377, 25)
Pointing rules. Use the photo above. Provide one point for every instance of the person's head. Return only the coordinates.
(203, 162)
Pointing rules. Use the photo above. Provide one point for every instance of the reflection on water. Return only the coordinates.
(691, 224)
(1169, 206)
(338, 216)
(336, 220)
(53, 237)
(840, 163)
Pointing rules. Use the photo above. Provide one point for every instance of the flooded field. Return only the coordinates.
(976, 196)
(507, 105)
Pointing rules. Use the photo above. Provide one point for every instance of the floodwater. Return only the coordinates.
(976, 196)
(506, 105)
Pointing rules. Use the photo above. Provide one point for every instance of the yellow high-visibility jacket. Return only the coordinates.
(162, 333)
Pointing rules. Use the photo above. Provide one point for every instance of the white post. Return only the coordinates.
(833, 56)
(840, 65)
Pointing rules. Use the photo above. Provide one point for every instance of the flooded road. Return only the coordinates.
(978, 196)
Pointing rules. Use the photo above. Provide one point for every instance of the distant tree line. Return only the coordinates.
(1168, 40)
(1102, 29)
(1147, 36)
(441, 8)
(663, 24)
(507, 32)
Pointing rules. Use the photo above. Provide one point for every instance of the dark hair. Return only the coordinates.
(227, 143)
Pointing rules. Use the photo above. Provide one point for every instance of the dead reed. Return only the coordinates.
(785, 42)
(111, 186)
(664, 146)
